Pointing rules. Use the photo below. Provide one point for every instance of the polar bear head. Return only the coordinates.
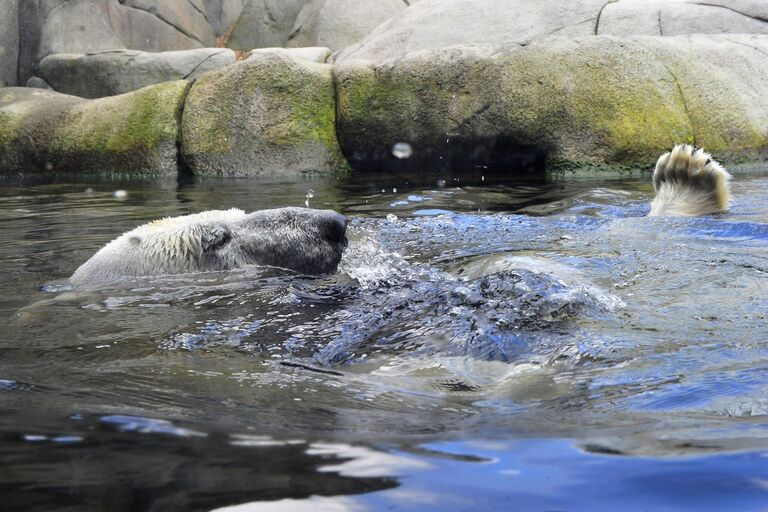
(300, 239)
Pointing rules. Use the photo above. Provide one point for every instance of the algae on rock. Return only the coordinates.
(133, 133)
(595, 101)
(269, 114)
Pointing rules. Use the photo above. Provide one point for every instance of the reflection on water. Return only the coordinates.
(479, 345)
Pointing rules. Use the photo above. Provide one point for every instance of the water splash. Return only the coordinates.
(402, 150)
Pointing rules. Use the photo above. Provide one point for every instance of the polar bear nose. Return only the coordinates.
(335, 228)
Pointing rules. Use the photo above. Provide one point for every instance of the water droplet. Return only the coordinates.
(402, 150)
(394, 190)
(391, 217)
(88, 190)
(310, 195)
(120, 194)
(440, 183)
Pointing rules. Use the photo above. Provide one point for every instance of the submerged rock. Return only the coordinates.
(269, 114)
(595, 101)
(95, 75)
(340, 23)
(48, 132)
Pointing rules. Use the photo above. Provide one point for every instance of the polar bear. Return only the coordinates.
(300, 239)
(689, 182)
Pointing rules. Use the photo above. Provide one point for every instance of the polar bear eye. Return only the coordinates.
(215, 239)
(222, 240)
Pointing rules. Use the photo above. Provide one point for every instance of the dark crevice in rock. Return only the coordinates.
(407, 3)
(745, 14)
(19, 43)
(184, 171)
(166, 21)
(201, 63)
(600, 14)
(465, 160)
(336, 124)
(558, 29)
(469, 120)
(195, 7)
(268, 11)
(661, 30)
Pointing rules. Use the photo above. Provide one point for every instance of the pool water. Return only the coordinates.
(539, 345)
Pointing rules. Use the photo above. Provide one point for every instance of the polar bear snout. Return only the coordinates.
(335, 228)
(301, 239)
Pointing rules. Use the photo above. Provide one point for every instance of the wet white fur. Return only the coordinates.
(169, 245)
(689, 182)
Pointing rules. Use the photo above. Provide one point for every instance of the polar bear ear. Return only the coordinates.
(214, 237)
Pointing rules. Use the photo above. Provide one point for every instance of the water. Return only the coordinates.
(539, 346)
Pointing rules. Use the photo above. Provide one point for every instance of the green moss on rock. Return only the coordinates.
(134, 133)
(601, 102)
(146, 119)
(269, 114)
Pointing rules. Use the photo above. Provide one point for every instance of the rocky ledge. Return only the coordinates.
(48, 132)
(511, 84)
(596, 101)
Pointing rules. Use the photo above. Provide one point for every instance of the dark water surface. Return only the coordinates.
(531, 346)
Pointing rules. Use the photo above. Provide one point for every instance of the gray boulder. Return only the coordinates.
(83, 26)
(48, 26)
(264, 23)
(95, 75)
(270, 114)
(48, 132)
(666, 18)
(9, 41)
(594, 101)
(159, 26)
(340, 23)
(431, 24)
